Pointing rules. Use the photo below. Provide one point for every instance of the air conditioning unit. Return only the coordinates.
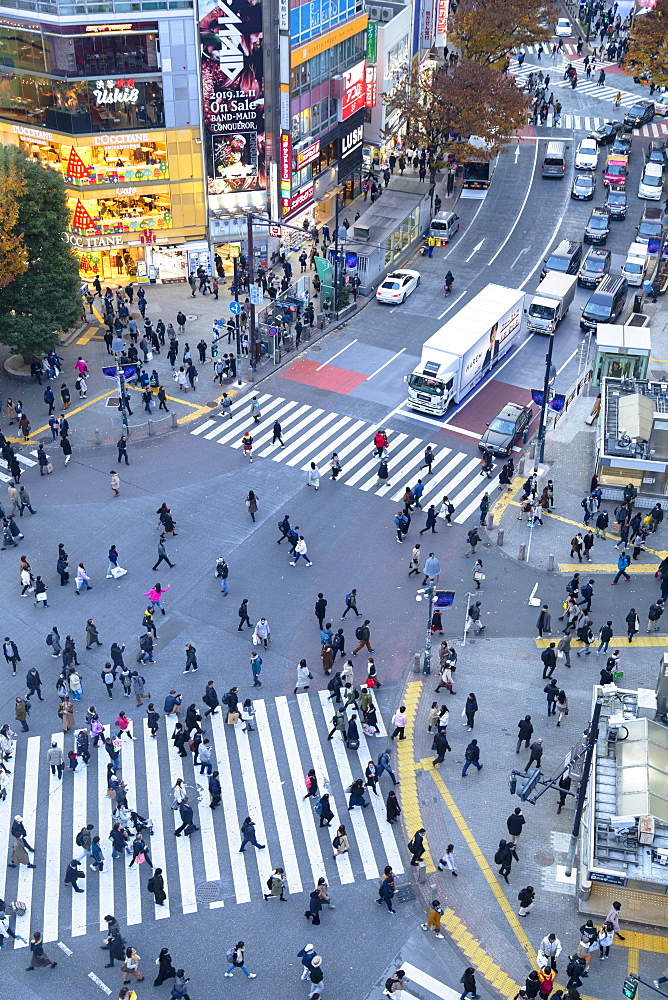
(374, 13)
(386, 14)
(361, 233)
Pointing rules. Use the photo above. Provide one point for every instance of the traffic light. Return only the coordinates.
(630, 988)
(529, 783)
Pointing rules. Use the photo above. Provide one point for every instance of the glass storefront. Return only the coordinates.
(80, 50)
(128, 210)
(85, 166)
(101, 105)
(403, 236)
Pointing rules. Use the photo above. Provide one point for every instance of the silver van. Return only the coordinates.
(443, 226)
(554, 161)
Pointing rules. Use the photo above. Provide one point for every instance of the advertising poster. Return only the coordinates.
(233, 98)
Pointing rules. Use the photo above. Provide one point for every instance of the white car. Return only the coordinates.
(651, 182)
(661, 108)
(397, 286)
(586, 157)
(563, 29)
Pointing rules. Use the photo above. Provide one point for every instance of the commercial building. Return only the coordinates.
(111, 102)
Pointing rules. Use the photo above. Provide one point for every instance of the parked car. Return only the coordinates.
(651, 182)
(502, 432)
(397, 286)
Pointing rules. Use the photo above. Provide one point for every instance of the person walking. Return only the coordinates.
(526, 898)
(162, 554)
(470, 709)
(236, 956)
(54, 756)
(536, 753)
(187, 825)
(399, 721)
(549, 658)
(632, 624)
(156, 886)
(551, 690)
(300, 549)
(248, 836)
(544, 621)
(416, 846)
(10, 652)
(515, 824)
(505, 855)
(469, 984)
(122, 446)
(613, 919)
(166, 969)
(472, 757)
(525, 730)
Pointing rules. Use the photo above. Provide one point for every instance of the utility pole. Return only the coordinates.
(335, 309)
(251, 341)
(542, 429)
(236, 319)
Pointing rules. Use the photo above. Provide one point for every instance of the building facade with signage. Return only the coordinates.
(113, 105)
(391, 61)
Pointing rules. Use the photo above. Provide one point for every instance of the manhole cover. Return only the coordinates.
(316, 347)
(544, 858)
(207, 892)
(191, 318)
(404, 894)
(112, 401)
(211, 404)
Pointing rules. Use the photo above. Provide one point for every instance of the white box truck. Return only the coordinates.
(457, 356)
(551, 302)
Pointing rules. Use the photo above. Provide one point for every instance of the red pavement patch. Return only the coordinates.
(475, 415)
(528, 132)
(332, 378)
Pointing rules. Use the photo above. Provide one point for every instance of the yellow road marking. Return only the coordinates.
(483, 864)
(633, 960)
(617, 640)
(501, 504)
(410, 803)
(70, 413)
(636, 942)
(605, 568)
(88, 335)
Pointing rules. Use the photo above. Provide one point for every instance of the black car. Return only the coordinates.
(584, 186)
(597, 229)
(594, 267)
(640, 114)
(616, 203)
(606, 133)
(622, 144)
(656, 153)
(506, 426)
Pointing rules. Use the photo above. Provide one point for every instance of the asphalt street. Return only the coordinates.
(333, 397)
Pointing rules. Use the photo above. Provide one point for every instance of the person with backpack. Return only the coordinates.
(472, 538)
(311, 784)
(622, 565)
(469, 984)
(108, 676)
(351, 604)
(236, 956)
(526, 899)
(363, 636)
(506, 853)
(472, 757)
(276, 883)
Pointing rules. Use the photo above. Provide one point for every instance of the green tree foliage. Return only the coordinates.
(45, 298)
(443, 111)
(486, 31)
(648, 51)
(13, 253)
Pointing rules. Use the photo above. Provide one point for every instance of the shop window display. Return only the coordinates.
(130, 212)
(86, 166)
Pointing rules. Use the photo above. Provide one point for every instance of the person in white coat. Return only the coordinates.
(313, 476)
(300, 550)
(548, 952)
(304, 676)
(262, 633)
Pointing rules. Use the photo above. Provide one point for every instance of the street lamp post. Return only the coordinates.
(237, 325)
(427, 592)
(251, 339)
(542, 429)
(117, 348)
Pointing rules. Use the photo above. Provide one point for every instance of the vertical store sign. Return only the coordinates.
(371, 87)
(427, 33)
(286, 174)
(354, 94)
(372, 41)
(233, 99)
(441, 21)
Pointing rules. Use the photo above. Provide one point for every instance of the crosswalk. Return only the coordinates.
(25, 460)
(312, 434)
(262, 776)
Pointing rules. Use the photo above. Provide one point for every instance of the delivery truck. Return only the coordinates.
(458, 356)
(551, 302)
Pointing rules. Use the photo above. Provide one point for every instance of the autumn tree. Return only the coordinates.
(648, 51)
(13, 253)
(486, 31)
(43, 299)
(443, 111)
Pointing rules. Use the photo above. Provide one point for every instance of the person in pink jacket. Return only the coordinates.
(155, 595)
